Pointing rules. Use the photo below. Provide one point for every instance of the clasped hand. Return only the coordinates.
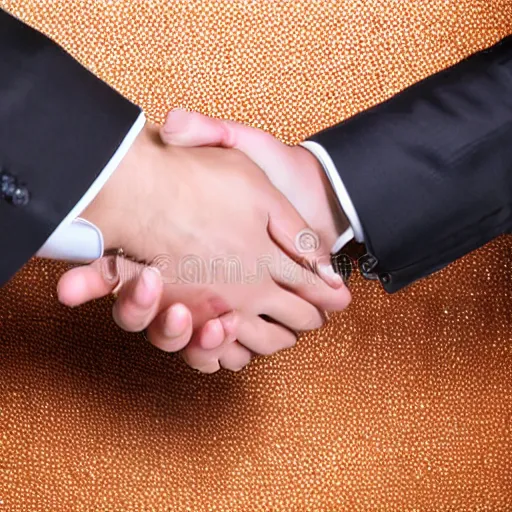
(236, 239)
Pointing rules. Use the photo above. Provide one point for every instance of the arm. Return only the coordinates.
(60, 129)
(429, 172)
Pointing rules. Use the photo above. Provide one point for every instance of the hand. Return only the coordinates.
(164, 194)
(171, 329)
(294, 170)
(137, 306)
(270, 300)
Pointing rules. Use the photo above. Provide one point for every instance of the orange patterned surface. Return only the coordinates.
(401, 403)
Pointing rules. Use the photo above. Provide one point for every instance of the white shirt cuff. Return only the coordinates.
(355, 230)
(76, 239)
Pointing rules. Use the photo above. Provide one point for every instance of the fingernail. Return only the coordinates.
(327, 272)
(172, 329)
(172, 123)
(151, 276)
(156, 270)
(110, 269)
(146, 291)
(212, 335)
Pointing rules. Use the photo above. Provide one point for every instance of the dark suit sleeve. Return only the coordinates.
(59, 127)
(430, 170)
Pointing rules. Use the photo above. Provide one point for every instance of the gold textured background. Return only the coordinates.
(401, 403)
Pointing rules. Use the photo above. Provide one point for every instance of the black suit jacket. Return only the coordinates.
(59, 127)
(430, 170)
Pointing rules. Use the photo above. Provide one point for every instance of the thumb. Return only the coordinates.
(191, 129)
(300, 243)
(96, 280)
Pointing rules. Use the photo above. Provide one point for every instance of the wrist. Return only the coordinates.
(113, 210)
(326, 216)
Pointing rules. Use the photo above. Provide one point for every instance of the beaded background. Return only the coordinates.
(401, 403)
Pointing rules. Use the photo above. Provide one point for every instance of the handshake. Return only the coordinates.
(228, 234)
(228, 231)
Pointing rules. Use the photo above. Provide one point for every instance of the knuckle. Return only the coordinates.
(169, 345)
(342, 302)
(197, 360)
(216, 306)
(282, 342)
(190, 360)
(235, 367)
(289, 341)
(313, 323)
(235, 361)
(269, 349)
(209, 370)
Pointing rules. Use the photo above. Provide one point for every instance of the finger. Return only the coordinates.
(138, 301)
(205, 361)
(172, 329)
(187, 128)
(299, 242)
(184, 128)
(232, 356)
(291, 311)
(206, 346)
(259, 336)
(204, 351)
(255, 335)
(213, 334)
(308, 286)
(89, 282)
(235, 357)
(96, 280)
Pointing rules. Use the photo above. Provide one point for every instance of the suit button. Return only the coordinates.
(367, 264)
(20, 197)
(11, 191)
(7, 184)
(385, 278)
